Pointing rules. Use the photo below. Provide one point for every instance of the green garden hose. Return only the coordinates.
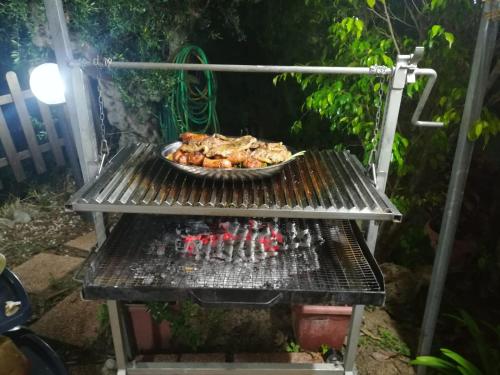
(191, 105)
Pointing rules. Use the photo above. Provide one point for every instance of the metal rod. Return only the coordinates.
(389, 124)
(241, 368)
(77, 104)
(241, 68)
(476, 91)
(235, 68)
(115, 320)
(431, 73)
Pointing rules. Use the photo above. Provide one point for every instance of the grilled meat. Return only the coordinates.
(219, 151)
(216, 163)
(271, 153)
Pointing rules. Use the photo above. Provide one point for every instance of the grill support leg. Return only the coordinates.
(117, 325)
(389, 124)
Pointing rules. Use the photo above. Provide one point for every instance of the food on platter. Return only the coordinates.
(219, 151)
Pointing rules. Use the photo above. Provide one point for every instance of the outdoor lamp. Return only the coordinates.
(47, 84)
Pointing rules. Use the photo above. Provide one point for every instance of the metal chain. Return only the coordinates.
(104, 147)
(379, 71)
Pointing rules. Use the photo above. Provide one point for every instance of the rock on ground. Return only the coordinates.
(72, 321)
(85, 242)
(39, 272)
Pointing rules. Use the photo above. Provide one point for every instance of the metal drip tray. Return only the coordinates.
(153, 257)
(319, 185)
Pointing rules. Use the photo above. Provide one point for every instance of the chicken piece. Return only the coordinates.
(177, 154)
(271, 153)
(216, 163)
(238, 157)
(183, 159)
(188, 137)
(253, 163)
(202, 146)
(233, 146)
(196, 158)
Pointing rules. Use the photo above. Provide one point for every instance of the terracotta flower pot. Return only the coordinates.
(318, 325)
(150, 336)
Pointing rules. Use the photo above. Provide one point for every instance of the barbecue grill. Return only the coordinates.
(184, 237)
(144, 258)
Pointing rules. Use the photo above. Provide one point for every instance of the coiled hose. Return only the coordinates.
(191, 105)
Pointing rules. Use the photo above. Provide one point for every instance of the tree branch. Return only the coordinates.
(391, 30)
(399, 19)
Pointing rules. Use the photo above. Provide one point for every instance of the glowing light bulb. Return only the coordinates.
(47, 84)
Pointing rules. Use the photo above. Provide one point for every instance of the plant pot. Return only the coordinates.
(149, 336)
(320, 325)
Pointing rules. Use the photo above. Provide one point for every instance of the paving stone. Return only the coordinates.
(39, 272)
(71, 321)
(203, 357)
(85, 242)
(302, 357)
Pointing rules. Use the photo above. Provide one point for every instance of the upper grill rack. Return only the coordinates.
(321, 185)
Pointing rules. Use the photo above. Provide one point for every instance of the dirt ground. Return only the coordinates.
(382, 347)
(49, 227)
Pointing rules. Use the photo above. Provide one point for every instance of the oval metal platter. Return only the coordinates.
(228, 173)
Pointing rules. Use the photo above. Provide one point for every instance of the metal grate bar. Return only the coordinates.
(321, 185)
(140, 260)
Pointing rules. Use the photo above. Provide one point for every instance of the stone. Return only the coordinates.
(110, 364)
(281, 357)
(7, 223)
(21, 217)
(400, 287)
(202, 357)
(72, 321)
(42, 270)
(85, 242)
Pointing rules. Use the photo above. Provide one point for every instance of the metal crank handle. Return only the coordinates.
(431, 73)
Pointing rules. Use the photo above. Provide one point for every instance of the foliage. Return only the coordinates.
(130, 30)
(292, 347)
(386, 340)
(323, 349)
(487, 352)
(370, 32)
(190, 324)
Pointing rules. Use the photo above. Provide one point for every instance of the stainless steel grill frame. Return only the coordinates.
(340, 271)
(319, 185)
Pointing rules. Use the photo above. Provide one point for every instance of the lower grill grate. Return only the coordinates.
(314, 262)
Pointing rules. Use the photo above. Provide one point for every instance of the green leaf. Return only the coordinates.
(387, 60)
(468, 366)
(434, 362)
(371, 3)
(436, 30)
(478, 128)
(450, 38)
